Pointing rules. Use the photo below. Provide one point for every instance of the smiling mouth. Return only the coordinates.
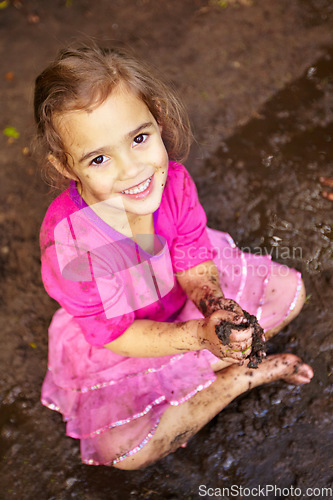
(139, 188)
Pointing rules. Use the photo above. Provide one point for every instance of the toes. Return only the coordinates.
(304, 370)
(327, 181)
(302, 374)
(327, 195)
(297, 379)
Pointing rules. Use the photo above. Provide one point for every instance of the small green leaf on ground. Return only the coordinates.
(4, 4)
(308, 298)
(11, 132)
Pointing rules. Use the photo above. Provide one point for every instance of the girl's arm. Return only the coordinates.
(147, 338)
(202, 285)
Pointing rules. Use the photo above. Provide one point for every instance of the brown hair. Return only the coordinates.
(82, 78)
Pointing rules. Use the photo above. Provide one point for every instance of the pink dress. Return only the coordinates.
(103, 282)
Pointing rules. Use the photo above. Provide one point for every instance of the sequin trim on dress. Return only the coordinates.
(230, 240)
(150, 406)
(112, 382)
(51, 406)
(192, 393)
(292, 305)
(151, 433)
(157, 401)
(298, 289)
(129, 453)
(126, 420)
(262, 298)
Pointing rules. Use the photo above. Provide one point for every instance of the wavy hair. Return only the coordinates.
(82, 78)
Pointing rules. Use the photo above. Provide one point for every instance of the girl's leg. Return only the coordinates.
(179, 423)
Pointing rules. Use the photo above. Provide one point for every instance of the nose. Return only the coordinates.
(129, 166)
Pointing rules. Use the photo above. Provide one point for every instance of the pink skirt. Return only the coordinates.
(98, 391)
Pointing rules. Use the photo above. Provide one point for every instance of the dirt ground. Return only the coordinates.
(257, 78)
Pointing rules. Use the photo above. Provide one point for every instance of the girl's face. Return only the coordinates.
(115, 151)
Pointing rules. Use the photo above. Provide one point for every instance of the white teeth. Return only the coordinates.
(139, 189)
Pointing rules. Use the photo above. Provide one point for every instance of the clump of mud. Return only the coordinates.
(223, 331)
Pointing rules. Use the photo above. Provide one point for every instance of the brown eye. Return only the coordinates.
(139, 139)
(98, 160)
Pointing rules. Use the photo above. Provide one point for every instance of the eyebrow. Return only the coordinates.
(103, 149)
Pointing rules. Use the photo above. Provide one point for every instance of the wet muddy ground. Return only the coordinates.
(257, 78)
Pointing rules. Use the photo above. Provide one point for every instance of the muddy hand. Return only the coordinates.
(225, 336)
(327, 181)
(213, 304)
(231, 305)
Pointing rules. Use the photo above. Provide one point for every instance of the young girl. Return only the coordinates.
(135, 363)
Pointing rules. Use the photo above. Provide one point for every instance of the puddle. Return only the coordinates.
(266, 176)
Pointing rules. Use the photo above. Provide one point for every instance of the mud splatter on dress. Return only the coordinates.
(104, 281)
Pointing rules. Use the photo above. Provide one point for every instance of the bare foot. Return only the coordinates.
(302, 374)
(288, 367)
